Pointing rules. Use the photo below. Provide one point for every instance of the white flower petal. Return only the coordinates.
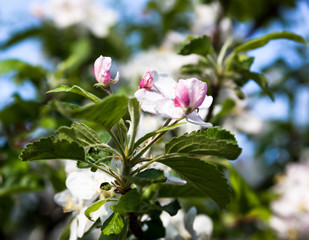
(196, 119)
(148, 99)
(83, 223)
(165, 84)
(206, 103)
(83, 185)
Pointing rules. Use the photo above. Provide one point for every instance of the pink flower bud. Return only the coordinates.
(101, 70)
(147, 80)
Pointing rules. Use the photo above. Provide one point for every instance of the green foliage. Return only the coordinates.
(113, 225)
(79, 133)
(204, 176)
(227, 106)
(20, 111)
(180, 191)
(197, 45)
(129, 202)
(147, 177)
(213, 141)
(260, 42)
(66, 232)
(52, 148)
(116, 106)
(78, 90)
(23, 70)
(134, 111)
(94, 207)
(172, 208)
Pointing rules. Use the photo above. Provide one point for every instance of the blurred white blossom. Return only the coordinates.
(163, 59)
(187, 225)
(291, 208)
(86, 13)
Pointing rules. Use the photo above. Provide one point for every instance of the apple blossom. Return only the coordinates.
(173, 100)
(102, 72)
(83, 188)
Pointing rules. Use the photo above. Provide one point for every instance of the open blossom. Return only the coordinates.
(160, 94)
(83, 189)
(102, 72)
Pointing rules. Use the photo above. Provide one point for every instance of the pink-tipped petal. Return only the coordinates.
(196, 119)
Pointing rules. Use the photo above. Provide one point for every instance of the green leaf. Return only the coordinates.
(113, 225)
(212, 141)
(197, 45)
(204, 176)
(151, 134)
(94, 207)
(96, 156)
(227, 106)
(66, 232)
(52, 148)
(79, 133)
(147, 177)
(121, 236)
(172, 208)
(260, 42)
(78, 90)
(130, 202)
(180, 191)
(107, 112)
(24, 70)
(135, 112)
(260, 79)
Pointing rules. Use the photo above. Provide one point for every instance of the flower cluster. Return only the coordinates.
(160, 94)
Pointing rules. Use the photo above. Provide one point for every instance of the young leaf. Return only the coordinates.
(197, 45)
(107, 112)
(77, 90)
(121, 236)
(134, 111)
(260, 42)
(113, 225)
(212, 141)
(52, 148)
(204, 176)
(148, 176)
(130, 202)
(79, 133)
(94, 207)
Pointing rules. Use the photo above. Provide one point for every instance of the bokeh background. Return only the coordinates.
(45, 44)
